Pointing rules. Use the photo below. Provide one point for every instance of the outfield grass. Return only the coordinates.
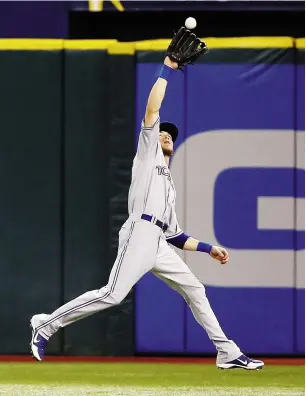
(146, 379)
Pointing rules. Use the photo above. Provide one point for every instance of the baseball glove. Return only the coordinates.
(185, 48)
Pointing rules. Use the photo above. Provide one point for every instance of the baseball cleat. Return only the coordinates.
(38, 342)
(243, 362)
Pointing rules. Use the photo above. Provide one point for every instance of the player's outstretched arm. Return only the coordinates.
(186, 242)
(157, 93)
(216, 252)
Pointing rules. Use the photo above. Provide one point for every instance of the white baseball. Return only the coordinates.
(190, 23)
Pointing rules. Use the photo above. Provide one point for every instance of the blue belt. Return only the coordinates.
(154, 220)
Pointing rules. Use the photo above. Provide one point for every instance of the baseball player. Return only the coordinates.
(145, 237)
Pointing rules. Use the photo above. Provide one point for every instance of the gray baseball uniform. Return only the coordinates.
(143, 247)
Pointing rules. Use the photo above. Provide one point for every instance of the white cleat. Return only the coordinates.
(242, 362)
(38, 342)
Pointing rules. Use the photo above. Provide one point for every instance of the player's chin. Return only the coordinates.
(167, 151)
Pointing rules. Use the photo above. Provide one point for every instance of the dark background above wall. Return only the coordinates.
(149, 19)
(145, 25)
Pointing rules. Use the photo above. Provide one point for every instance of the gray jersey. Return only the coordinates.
(152, 189)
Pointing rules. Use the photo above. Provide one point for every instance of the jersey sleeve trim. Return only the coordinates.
(174, 235)
(148, 128)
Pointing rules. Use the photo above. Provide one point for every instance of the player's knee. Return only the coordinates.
(197, 293)
(201, 290)
(109, 296)
(115, 298)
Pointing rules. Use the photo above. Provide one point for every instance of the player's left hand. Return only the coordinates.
(220, 254)
(170, 63)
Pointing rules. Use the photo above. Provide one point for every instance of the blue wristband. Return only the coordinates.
(204, 247)
(165, 72)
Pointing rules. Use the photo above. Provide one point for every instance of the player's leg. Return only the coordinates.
(138, 244)
(172, 270)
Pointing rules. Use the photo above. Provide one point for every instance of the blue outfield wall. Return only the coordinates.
(300, 126)
(240, 181)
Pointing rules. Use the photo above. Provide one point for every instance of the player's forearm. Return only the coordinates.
(191, 244)
(158, 91)
(186, 242)
(156, 96)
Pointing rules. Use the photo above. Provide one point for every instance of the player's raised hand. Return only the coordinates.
(220, 254)
(170, 63)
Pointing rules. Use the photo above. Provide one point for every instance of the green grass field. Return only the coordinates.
(146, 379)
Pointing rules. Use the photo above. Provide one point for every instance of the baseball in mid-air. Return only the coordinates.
(190, 23)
